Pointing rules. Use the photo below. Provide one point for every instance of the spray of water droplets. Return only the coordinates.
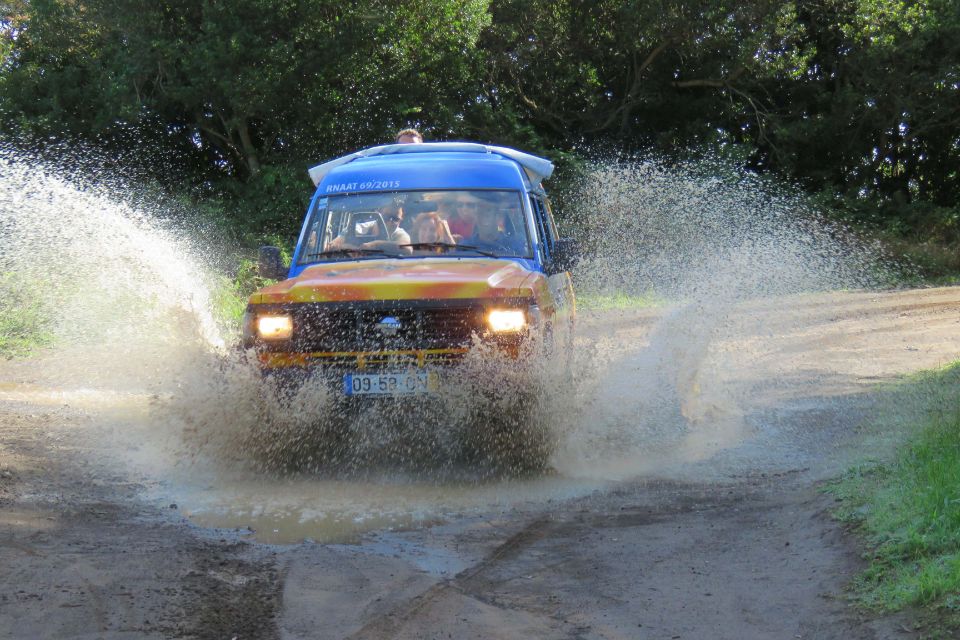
(708, 245)
(124, 293)
(132, 300)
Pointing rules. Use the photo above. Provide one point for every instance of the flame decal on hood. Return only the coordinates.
(403, 279)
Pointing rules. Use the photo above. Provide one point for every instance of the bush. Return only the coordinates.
(24, 322)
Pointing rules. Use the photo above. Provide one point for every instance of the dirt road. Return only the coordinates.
(713, 530)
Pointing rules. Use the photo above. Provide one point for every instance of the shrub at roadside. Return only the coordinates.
(229, 299)
(909, 509)
(24, 327)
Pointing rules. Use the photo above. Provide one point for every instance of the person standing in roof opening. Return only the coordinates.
(409, 136)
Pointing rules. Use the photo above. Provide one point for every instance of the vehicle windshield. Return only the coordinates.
(416, 224)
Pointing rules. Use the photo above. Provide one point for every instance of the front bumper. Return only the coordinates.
(364, 361)
(384, 336)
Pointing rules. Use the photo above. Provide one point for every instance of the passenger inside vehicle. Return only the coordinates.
(430, 227)
(459, 210)
(389, 223)
(392, 216)
(489, 233)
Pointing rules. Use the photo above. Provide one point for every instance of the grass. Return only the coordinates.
(229, 298)
(24, 322)
(931, 262)
(616, 301)
(908, 508)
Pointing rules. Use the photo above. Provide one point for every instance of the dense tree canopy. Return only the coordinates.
(857, 100)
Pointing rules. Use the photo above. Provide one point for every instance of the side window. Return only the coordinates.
(313, 238)
(551, 223)
(541, 218)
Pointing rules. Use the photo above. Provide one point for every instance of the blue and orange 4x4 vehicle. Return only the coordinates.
(408, 255)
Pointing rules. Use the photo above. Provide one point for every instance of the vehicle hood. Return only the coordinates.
(402, 279)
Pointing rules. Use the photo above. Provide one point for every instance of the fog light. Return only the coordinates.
(506, 320)
(275, 327)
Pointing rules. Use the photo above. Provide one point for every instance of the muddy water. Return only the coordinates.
(119, 432)
(618, 435)
(655, 392)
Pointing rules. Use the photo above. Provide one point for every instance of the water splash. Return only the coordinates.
(495, 415)
(644, 389)
(122, 288)
(707, 232)
(645, 392)
(708, 241)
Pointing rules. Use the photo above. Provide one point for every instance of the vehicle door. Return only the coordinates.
(558, 282)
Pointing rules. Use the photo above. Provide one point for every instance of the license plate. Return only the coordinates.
(388, 384)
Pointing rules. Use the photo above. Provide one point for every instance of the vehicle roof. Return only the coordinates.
(432, 165)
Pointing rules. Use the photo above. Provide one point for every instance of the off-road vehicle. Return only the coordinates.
(409, 254)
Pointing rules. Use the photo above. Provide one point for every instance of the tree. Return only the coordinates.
(243, 90)
(855, 99)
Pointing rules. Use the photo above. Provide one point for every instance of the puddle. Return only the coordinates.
(341, 511)
(81, 398)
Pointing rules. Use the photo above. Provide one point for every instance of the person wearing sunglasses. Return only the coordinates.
(392, 217)
(460, 212)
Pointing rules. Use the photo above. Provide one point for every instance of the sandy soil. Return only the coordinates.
(718, 531)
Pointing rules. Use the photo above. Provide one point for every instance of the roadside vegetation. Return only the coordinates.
(616, 301)
(229, 296)
(24, 322)
(226, 105)
(908, 508)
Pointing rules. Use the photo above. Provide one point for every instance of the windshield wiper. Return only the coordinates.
(345, 252)
(447, 245)
(429, 245)
(470, 247)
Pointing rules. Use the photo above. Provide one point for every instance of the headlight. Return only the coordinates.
(507, 320)
(274, 327)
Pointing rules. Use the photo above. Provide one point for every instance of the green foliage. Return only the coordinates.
(229, 297)
(24, 323)
(856, 100)
(616, 301)
(909, 508)
(238, 98)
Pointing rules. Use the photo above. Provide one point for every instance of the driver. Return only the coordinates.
(489, 233)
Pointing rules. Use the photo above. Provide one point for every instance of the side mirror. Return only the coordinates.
(270, 264)
(565, 255)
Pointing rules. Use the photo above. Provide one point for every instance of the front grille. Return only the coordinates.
(353, 327)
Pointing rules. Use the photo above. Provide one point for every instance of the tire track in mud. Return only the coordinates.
(549, 604)
(229, 596)
(467, 582)
(474, 583)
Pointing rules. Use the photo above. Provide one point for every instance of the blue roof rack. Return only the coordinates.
(536, 168)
